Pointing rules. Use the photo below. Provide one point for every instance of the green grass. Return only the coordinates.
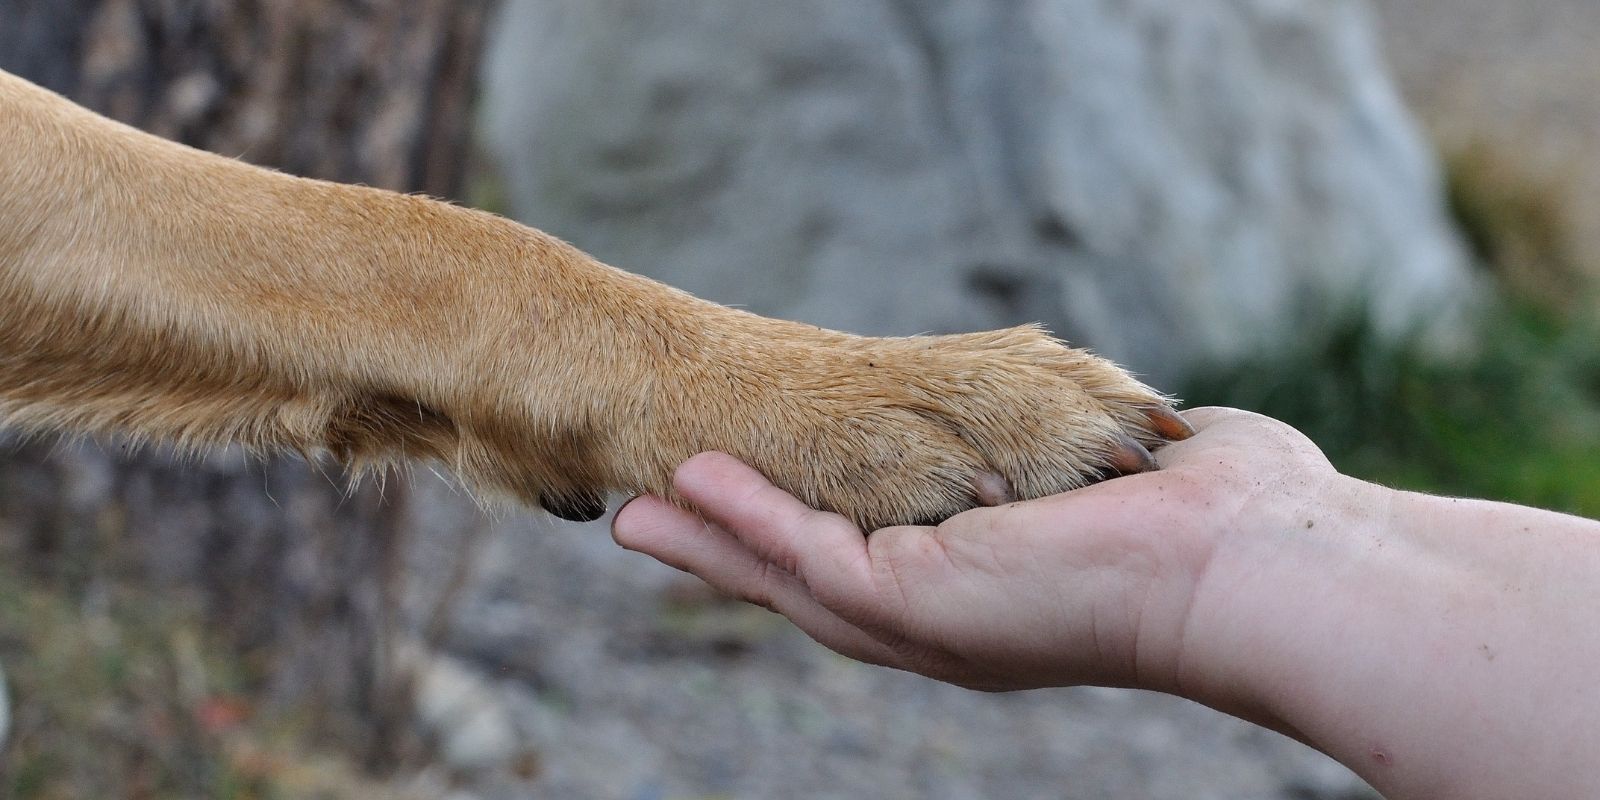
(1518, 420)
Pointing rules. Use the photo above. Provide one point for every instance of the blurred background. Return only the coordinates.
(1377, 221)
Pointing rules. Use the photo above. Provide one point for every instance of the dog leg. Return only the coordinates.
(160, 292)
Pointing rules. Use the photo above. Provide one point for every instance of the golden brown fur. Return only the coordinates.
(157, 291)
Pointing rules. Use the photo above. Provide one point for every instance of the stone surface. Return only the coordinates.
(1166, 181)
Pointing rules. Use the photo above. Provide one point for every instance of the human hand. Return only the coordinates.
(1438, 647)
(1095, 586)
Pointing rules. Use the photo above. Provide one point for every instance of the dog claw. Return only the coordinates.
(1169, 424)
(1130, 457)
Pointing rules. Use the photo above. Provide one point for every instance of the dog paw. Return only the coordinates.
(916, 430)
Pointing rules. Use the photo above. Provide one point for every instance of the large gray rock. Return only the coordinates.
(1165, 181)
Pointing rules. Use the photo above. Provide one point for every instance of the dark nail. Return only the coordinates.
(1130, 458)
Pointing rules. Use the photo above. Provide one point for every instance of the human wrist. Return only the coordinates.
(1256, 636)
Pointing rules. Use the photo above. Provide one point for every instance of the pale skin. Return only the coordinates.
(1440, 648)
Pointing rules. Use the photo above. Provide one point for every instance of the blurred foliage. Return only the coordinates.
(1517, 420)
(1516, 417)
(121, 693)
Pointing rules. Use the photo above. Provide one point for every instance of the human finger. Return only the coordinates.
(684, 541)
(1233, 429)
(825, 551)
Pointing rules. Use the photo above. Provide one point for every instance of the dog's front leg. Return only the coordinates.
(154, 290)
(157, 291)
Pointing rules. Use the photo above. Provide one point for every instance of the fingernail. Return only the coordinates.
(618, 534)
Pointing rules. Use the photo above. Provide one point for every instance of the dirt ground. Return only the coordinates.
(1522, 77)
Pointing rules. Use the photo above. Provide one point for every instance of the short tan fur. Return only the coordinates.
(159, 292)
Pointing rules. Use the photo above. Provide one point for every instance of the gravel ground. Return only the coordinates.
(1523, 76)
(625, 680)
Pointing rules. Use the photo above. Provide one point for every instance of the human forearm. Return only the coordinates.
(1439, 647)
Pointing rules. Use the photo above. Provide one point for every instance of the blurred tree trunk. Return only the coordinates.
(301, 571)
